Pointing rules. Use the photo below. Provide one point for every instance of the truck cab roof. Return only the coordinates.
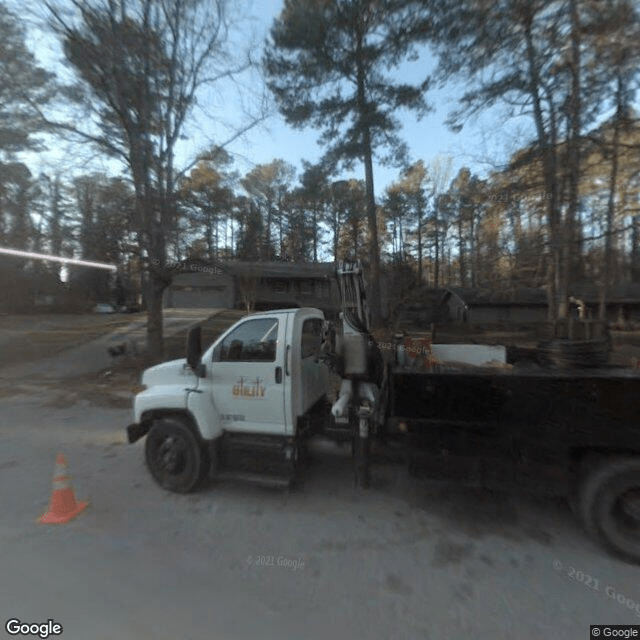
(295, 310)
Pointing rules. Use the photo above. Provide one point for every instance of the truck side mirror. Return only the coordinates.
(194, 347)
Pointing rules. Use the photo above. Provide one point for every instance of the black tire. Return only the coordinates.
(608, 504)
(174, 456)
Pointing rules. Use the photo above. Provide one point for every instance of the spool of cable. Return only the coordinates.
(567, 354)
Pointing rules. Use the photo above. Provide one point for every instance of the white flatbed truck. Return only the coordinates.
(247, 405)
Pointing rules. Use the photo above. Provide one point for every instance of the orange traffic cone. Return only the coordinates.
(63, 505)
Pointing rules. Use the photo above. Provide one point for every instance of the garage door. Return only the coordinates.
(200, 298)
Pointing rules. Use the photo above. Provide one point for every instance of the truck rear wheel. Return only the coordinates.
(609, 505)
(174, 456)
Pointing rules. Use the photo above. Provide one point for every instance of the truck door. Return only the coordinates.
(247, 376)
(309, 377)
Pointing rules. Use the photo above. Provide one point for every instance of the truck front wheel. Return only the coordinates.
(174, 456)
(609, 505)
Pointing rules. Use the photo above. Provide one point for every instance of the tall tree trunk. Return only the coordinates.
(355, 232)
(374, 248)
(461, 250)
(158, 278)
(209, 232)
(155, 344)
(473, 250)
(436, 266)
(315, 233)
(574, 163)
(514, 214)
(611, 202)
(547, 142)
(266, 252)
(635, 249)
(216, 242)
(281, 238)
(56, 218)
(420, 257)
(375, 306)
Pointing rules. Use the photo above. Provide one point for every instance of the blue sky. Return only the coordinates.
(482, 145)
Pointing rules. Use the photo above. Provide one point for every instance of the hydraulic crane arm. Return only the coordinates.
(355, 356)
(353, 303)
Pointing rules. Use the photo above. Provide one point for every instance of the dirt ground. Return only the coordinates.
(406, 559)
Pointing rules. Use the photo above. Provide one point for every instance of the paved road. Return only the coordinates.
(404, 560)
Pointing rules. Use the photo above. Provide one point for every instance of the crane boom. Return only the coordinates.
(355, 356)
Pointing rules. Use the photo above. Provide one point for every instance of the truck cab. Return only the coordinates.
(263, 373)
(237, 406)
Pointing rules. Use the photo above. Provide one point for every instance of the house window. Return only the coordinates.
(305, 287)
(279, 285)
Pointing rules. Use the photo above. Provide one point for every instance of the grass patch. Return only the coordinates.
(175, 345)
(113, 387)
(45, 342)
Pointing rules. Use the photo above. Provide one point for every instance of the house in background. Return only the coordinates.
(32, 289)
(264, 285)
(201, 289)
(271, 285)
(426, 306)
(514, 307)
(623, 301)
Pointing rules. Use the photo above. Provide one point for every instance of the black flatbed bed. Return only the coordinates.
(464, 421)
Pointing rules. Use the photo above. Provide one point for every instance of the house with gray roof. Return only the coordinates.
(265, 285)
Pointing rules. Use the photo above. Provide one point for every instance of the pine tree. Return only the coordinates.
(328, 65)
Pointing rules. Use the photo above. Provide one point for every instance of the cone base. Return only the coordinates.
(52, 518)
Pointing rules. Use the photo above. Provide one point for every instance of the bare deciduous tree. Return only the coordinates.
(142, 65)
